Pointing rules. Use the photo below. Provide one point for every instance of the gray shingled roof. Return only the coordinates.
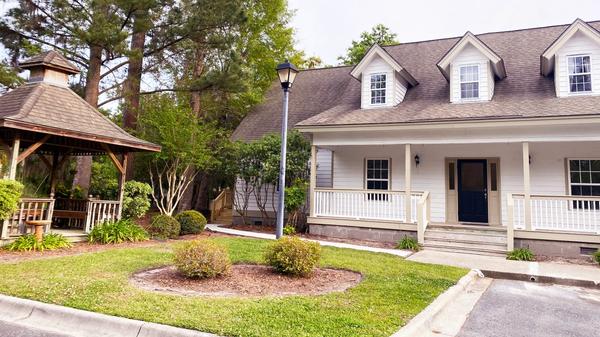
(53, 109)
(332, 96)
(50, 59)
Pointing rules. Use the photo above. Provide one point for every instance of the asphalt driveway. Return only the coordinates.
(515, 308)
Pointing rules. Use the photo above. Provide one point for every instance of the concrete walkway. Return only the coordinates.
(501, 265)
(397, 252)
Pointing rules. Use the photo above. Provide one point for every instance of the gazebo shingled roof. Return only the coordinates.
(41, 108)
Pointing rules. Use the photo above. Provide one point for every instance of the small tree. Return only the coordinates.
(295, 199)
(379, 34)
(185, 142)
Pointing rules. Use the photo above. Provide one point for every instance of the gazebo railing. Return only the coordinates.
(101, 211)
(29, 209)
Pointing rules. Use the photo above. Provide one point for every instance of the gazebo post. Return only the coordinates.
(14, 158)
(122, 183)
(54, 169)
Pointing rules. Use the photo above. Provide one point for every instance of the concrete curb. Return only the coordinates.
(535, 278)
(80, 323)
(422, 322)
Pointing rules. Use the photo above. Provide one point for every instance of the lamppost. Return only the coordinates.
(287, 73)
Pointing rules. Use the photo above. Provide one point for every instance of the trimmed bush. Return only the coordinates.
(117, 232)
(293, 256)
(136, 199)
(10, 192)
(50, 241)
(409, 243)
(520, 254)
(596, 256)
(192, 222)
(164, 227)
(202, 259)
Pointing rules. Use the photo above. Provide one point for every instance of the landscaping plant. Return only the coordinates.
(10, 192)
(136, 199)
(164, 227)
(520, 254)
(119, 231)
(51, 241)
(202, 259)
(293, 256)
(289, 230)
(409, 243)
(295, 199)
(191, 222)
(596, 256)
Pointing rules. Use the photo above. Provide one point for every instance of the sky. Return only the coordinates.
(326, 28)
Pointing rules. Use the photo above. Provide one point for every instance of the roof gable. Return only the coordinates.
(547, 58)
(470, 39)
(375, 51)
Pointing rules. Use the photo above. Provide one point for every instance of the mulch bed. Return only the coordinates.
(246, 280)
(84, 247)
(271, 230)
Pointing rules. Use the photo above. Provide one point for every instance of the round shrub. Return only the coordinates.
(192, 222)
(164, 227)
(293, 256)
(136, 199)
(10, 192)
(202, 259)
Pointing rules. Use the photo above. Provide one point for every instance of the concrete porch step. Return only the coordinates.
(465, 248)
(470, 243)
(468, 228)
(465, 235)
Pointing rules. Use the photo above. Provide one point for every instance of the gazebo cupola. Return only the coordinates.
(50, 67)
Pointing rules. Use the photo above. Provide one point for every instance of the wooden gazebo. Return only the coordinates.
(45, 118)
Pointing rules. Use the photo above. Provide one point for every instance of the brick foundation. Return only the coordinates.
(555, 248)
(360, 233)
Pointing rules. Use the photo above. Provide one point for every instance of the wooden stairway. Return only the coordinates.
(472, 239)
(225, 217)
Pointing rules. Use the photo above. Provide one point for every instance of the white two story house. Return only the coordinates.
(479, 143)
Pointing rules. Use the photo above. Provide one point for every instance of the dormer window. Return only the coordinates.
(378, 87)
(469, 82)
(580, 76)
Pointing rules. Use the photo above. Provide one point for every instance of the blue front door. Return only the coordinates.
(472, 190)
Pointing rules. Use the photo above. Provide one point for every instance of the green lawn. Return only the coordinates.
(393, 291)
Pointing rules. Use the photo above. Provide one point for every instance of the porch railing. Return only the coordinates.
(29, 209)
(423, 216)
(365, 204)
(100, 211)
(559, 213)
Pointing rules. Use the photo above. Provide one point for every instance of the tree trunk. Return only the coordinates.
(132, 85)
(198, 69)
(92, 87)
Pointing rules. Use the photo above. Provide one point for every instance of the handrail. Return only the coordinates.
(218, 204)
(563, 197)
(330, 189)
(423, 216)
(29, 209)
(100, 211)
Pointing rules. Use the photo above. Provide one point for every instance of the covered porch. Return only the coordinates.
(532, 182)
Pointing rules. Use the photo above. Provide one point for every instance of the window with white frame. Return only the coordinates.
(469, 82)
(378, 86)
(377, 177)
(584, 180)
(580, 73)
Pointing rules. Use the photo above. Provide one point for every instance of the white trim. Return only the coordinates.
(569, 183)
(376, 50)
(470, 38)
(547, 58)
(385, 96)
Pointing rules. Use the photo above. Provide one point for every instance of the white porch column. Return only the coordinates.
(526, 187)
(14, 158)
(407, 181)
(313, 179)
